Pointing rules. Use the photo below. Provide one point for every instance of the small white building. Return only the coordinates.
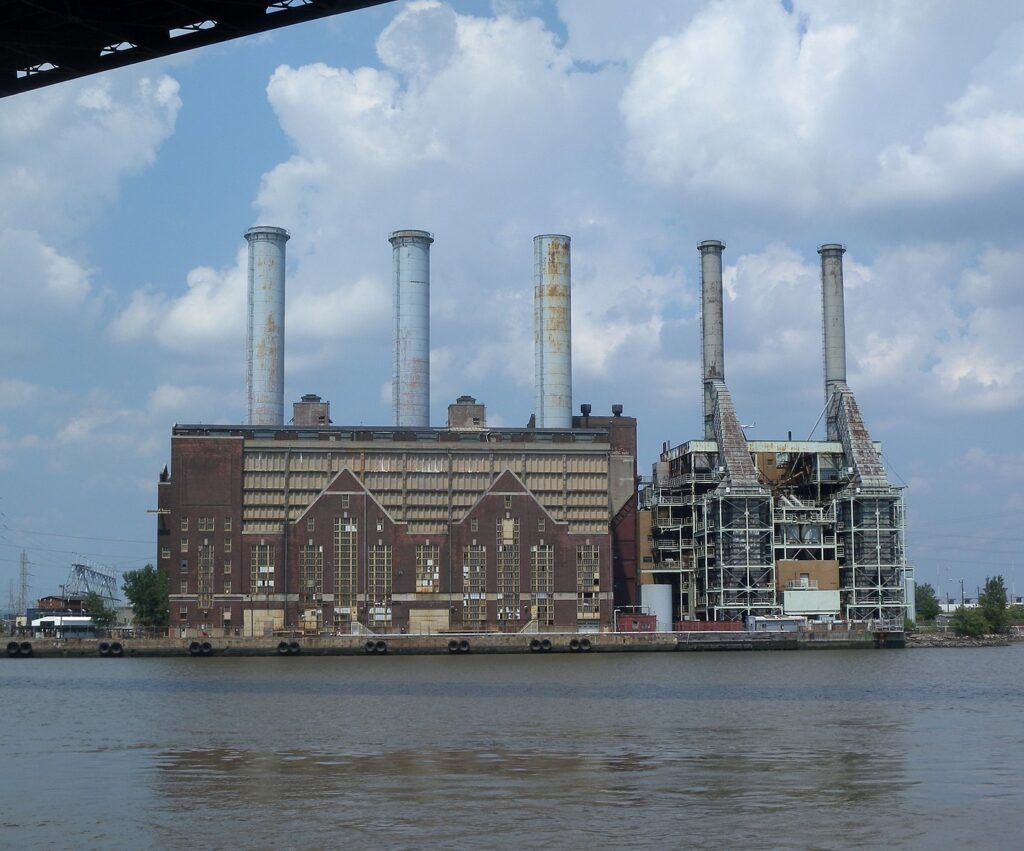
(64, 626)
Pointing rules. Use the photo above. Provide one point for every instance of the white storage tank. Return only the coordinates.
(657, 600)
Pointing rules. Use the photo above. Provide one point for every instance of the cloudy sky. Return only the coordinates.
(639, 128)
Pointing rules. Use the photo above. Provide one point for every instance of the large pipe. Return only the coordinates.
(264, 337)
(552, 331)
(410, 385)
(833, 318)
(711, 326)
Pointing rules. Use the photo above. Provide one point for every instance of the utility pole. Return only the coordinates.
(23, 579)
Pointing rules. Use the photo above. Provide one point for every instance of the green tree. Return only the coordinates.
(970, 622)
(97, 609)
(925, 602)
(992, 602)
(146, 590)
(1016, 613)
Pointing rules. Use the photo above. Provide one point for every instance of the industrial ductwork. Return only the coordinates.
(410, 385)
(552, 331)
(264, 339)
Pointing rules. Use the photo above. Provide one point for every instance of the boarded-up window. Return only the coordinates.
(379, 590)
(474, 584)
(588, 581)
(311, 575)
(542, 583)
(428, 571)
(346, 566)
(261, 569)
(508, 569)
(205, 576)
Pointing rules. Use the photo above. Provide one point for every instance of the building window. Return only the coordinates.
(227, 524)
(311, 575)
(184, 524)
(508, 569)
(183, 565)
(588, 581)
(227, 565)
(165, 552)
(206, 524)
(183, 586)
(474, 584)
(205, 576)
(379, 584)
(540, 525)
(310, 524)
(183, 613)
(344, 500)
(227, 545)
(184, 545)
(542, 583)
(227, 586)
(508, 502)
(428, 569)
(261, 563)
(346, 565)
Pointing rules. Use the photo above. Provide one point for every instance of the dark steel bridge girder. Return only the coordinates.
(43, 42)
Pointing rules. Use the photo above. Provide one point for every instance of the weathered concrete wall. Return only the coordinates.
(535, 643)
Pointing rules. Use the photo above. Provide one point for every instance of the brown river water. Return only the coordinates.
(805, 749)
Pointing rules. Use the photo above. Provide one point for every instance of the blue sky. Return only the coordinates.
(639, 128)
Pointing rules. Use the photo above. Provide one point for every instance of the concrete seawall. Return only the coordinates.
(413, 645)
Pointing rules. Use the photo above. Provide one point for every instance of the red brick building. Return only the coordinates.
(323, 529)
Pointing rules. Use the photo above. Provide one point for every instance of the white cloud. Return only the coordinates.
(15, 393)
(64, 149)
(834, 106)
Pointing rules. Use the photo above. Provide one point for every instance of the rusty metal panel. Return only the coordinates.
(552, 331)
(264, 340)
(410, 388)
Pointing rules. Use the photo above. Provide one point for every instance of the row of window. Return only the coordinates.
(205, 524)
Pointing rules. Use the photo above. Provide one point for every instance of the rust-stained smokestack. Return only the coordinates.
(552, 331)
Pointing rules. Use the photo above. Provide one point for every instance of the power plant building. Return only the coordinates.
(741, 529)
(326, 528)
(321, 528)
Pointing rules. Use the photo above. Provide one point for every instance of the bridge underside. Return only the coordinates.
(49, 41)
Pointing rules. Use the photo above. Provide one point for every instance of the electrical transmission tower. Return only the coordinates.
(23, 576)
(84, 580)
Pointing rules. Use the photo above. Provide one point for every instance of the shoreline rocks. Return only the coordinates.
(949, 639)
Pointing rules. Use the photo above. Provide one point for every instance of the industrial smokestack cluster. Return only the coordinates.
(833, 328)
(552, 331)
(264, 337)
(410, 384)
(711, 326)
(552, 312)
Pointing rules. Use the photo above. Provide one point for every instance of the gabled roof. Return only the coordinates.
(508, 483)
(346, 482)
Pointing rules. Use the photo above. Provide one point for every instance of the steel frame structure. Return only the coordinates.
(49, 41)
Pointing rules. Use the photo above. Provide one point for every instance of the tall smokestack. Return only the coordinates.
(833, 318)
(410, 385)
(552, 331)
(264, 337)
(712, 335)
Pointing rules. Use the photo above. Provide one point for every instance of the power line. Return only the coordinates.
(74, 552)
(77, 537)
